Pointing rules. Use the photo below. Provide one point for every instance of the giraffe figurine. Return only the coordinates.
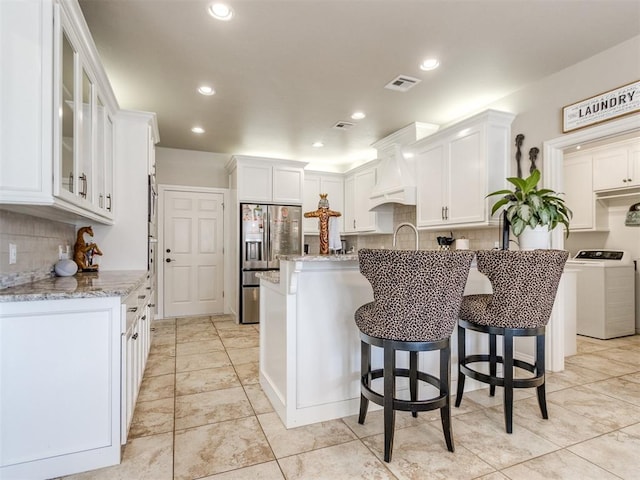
(83, 252)
(323, 213)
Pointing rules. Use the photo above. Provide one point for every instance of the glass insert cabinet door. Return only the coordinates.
(75, 98)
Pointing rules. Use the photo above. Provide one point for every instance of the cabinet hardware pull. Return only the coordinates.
(144, 317)
(624, 180)
(83, 192)
(71, 182)
(168, 250)
(442, 213)
(132, 309)
(168, 260)
(152, 305)
(109, 204)
(141, 296)
(100, 200)
(135, 336)
(354, 224)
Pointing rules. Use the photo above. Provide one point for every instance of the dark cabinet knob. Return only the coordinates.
(168, 260)
(168, 250)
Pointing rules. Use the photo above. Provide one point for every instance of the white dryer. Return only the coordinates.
(605, 293)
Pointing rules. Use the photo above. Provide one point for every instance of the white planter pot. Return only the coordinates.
(535, 238)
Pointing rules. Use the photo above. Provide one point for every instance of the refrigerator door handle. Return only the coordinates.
(266, 232)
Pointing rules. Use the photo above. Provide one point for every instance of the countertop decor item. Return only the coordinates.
(83, 253)
(65, 267)
(528, 206)
(323, 213)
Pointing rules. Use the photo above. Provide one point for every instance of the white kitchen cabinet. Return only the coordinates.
(358, 184)
(59, 386)
(616, 166)
(267, 180)
(136, 342)
(457, 167)
(57, 114)
(589, 214)
(125, 244)
(316, 183)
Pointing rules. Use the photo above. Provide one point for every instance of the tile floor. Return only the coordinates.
(202, 415)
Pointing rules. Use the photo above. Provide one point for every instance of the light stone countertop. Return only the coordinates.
(348, 257)
(272, 276)
(117, 283)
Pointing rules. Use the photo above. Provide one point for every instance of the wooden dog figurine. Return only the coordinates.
(83, 252)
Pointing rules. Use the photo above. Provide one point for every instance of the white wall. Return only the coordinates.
(189, 167)
(539, 106)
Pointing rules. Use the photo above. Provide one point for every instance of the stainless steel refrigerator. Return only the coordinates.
(266, 231)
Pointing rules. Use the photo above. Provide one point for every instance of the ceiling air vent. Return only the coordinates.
(343, 125)
(402, 83)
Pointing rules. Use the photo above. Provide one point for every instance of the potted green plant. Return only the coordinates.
(530, 209)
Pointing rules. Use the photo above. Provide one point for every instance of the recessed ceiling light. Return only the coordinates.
(578, 147)
(206, 90)
(220, 11)
(197, 130)
(358, 115)
(429, 64)
(318, 144)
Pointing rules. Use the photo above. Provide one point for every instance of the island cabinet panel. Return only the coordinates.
(457, 167)
(310, 345)
(59, 386)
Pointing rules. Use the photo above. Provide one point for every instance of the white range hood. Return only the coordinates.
(396, 175)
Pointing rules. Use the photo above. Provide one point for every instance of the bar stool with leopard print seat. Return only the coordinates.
(417, 296)
(524, 290)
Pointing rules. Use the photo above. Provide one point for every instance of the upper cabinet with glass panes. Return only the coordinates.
(58, 109)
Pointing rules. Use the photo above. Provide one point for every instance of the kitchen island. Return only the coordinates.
(310, 345)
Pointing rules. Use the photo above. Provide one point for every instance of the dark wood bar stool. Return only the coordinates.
(524, 290)
(417, 296)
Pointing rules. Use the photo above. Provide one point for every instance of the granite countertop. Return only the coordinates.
(272, 276)
(348, 257)
(117, 283)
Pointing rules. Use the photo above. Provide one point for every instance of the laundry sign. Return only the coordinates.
(624, 100)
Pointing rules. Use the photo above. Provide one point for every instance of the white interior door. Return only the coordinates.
(192, 258)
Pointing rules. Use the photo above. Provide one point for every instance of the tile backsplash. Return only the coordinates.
(36, 240)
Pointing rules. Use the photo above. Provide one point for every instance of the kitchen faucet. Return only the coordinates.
(406, 224)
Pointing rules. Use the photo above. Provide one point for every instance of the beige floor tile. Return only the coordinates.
(203, 346)
(632, 377)
(484, 434)
(596, 361)
(623, 354)
(144, 458)
(563, 427)
(198, 320)
(421, 452)
(494, 476)
(632, 429)
(258, 399)
(248, 373)
(243, 341)
(572, 376)
(302, 439)
(589, 347)
(374, 422)
(219, 447)
(160, 365)
(561, 465)
(198, 361)
(164, 330)
(163, 339)
(596, 406)
(239, 356)
(616, 452)
(151, 418)
(347, 461)
(168, 350)
(232, 329)
(206, 380)
(481, 397)
(156, 388)
(163, 322)
(211, 407)
(262, 471)
(196, 335)
(619, 388)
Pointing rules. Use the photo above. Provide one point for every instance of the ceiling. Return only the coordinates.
(285, 72)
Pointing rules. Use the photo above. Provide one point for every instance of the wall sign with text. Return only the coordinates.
(624, 100)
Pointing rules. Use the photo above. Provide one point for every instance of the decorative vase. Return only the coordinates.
(535, 238)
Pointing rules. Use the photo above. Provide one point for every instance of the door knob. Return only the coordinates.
(168, 260)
